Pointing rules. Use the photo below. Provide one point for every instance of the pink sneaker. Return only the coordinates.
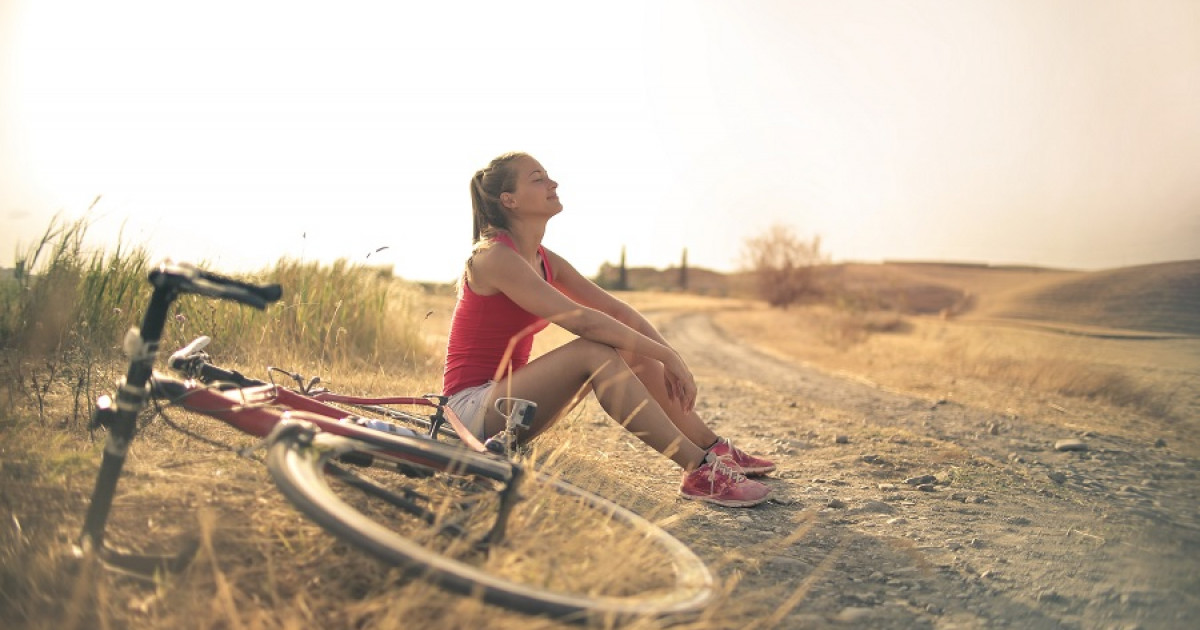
(715, 481)
(750, 465)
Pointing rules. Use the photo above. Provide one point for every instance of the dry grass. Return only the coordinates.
(261, 565)
(977, 356)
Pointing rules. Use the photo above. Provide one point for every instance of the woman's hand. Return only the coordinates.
(681, 386)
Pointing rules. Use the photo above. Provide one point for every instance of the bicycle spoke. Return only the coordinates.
(405, 499)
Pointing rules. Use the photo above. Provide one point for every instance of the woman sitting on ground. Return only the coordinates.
(513, 286)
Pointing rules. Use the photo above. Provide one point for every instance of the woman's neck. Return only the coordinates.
(527, 237)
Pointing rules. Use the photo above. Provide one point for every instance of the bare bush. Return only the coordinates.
(783, 265)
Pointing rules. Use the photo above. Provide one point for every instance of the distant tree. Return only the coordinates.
(783, 265)
(683, 272)
(622, 274)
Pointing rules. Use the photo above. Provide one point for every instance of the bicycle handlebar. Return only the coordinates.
(188, 278)
(169, 279)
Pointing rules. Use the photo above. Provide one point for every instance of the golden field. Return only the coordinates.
(966, 374)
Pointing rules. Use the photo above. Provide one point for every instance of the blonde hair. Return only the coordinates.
(488, 183)
(489, 217)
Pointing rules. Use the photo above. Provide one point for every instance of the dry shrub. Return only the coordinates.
(783, 265)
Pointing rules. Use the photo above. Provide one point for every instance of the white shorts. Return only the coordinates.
(468, 405)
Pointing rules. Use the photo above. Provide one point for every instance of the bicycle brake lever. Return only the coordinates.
(179, 359)
(299, 380)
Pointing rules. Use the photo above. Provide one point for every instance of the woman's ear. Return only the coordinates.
(507, 200)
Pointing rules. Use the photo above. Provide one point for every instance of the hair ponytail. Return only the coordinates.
(479, 222)
(488, 183)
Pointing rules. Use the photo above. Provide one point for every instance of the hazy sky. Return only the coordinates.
(1061, 133)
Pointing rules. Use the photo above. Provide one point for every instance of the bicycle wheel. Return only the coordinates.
(564, 551)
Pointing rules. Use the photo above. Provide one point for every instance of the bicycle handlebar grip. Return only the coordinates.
(266, 292)
(191, 279)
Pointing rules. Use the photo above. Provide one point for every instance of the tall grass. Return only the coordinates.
(330, 315)
(66, 308)
(344, 314)
(62, 296)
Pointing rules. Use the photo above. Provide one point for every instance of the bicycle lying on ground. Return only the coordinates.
(471, 519)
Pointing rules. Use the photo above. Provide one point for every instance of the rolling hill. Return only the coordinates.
(1158, 298)
(1161, 298)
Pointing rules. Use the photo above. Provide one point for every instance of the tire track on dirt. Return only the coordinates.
(708, 347)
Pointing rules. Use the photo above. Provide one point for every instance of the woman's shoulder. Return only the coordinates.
(489, 263)
(491, 250)
(489, 241)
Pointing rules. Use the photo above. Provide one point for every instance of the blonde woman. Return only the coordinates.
(513, 286)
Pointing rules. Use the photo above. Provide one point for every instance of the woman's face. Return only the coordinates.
(535, 193)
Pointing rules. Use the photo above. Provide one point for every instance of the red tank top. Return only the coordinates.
(481, 329)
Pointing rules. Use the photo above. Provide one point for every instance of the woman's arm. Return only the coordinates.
(502, 270)
(582, 290)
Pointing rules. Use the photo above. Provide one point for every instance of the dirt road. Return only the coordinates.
(895, 510)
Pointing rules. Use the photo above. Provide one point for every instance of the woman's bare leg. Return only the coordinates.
(558, 378)
(650, 373)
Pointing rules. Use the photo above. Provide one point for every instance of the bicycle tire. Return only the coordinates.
(302, 466)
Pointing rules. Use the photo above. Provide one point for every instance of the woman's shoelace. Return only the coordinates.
(725, 466)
